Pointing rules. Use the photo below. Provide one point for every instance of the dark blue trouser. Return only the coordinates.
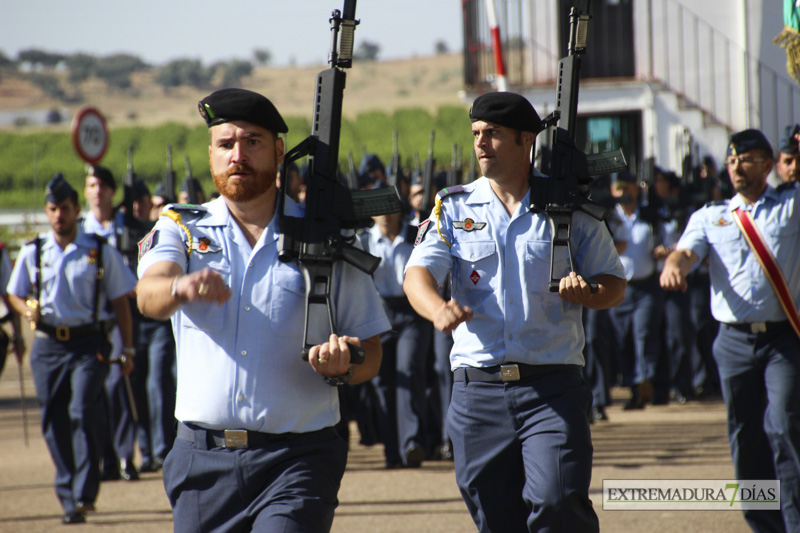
(287, 486)
(156, 344)
(599, 349)
(523, 453)
(400, 384)
(442, 345)
(759, 374)
(705, 376)
(69, 387)
(678, 337)
(637, 322)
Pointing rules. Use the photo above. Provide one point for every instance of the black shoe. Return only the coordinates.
(73, 518)
(84, 507)
(127, 471)
(446, 451)
(634, 403)
(414, 456)
(110, 473)
(598, 413)
(152, 465)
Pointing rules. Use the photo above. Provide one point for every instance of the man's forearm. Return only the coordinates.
(156, 294)
(422, 292)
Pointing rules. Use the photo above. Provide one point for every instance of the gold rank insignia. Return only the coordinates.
(732, 149)
(468, 225)
(205, 246)
(93, 256)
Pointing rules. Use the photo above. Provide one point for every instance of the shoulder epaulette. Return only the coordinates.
(716, 202)
(190, 208)
(786, 186)
(447, 191)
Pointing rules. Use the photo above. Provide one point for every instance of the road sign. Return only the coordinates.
(89, 134)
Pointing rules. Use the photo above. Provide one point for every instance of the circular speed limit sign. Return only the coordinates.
(89, 134)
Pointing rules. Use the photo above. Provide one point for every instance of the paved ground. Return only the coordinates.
(667, 442)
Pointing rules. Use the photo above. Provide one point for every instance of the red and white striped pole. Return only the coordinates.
(497, 46)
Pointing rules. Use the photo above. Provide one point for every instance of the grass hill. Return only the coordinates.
(424, 82)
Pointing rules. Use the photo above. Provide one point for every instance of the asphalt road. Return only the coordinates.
(665, 442)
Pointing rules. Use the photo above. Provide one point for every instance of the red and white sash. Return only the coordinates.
(768, 264)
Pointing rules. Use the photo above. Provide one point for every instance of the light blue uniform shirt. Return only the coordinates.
(68, 279)
(239, 364)
(638, 257)
(110, 232)
(394, 256)
(501, 269)
(740, 291)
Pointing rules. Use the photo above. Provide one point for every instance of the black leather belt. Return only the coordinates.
(67, 333)
(397, 303)
(237, 438)
(761, 327)
(509, 372)
(642, 282)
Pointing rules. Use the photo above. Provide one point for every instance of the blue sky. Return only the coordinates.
(161, 30)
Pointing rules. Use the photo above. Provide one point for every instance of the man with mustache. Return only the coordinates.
(255, 448)
(519, 412)
(788, 163)
(756, 350)
(72, 278)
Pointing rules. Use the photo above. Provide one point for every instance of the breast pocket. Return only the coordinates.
(208, 317)
(537, 265)
(287, 308)
(474, 271)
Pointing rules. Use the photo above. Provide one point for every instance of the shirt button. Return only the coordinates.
(251, 264)
(241, 397)
(246, 307)
(511, 300)
(244, 352)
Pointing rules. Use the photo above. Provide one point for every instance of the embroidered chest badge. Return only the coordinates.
(722, 222)
(205, 246)
(468, 225)
(475, 277)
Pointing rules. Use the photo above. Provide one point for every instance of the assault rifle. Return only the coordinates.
(427, 181)
(133, 229)
(395, 162)
(191, 186)
(570, 170)
(454, 174)
(316, 240)
(169, 179)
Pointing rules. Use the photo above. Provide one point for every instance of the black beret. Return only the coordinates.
(506, 109)
(103, 174)
(624, 177)
(59, 190)
(227, 105)
(371, 162)
(789, 141)
(747, 140)
(140, 189)
(195, 182)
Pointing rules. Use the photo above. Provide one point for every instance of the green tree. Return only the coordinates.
(189, 72)
(367, 51)
(262, 57)
(116, 69)
(234, 71)
(80, 67)
(39, 58)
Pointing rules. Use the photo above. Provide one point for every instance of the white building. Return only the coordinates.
(663, 79)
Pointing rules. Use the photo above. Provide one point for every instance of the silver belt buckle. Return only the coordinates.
(236, 438)
(509, 372)
(758, 327)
